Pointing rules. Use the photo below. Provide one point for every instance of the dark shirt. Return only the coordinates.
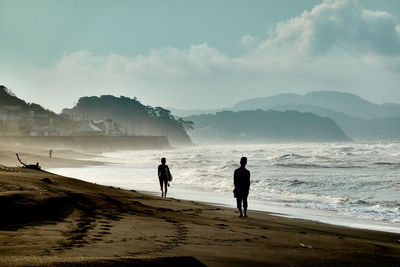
(241, 180)
(163, 172)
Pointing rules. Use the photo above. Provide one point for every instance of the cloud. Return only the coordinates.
(339, 25)
(248, 41)
(335, 46)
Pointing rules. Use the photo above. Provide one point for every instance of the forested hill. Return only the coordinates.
(137, 118)
(357, 117)
(20, 118)
(259, 125)
(7, 98)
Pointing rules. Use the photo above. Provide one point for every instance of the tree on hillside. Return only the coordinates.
(132, 114)
(31, 115)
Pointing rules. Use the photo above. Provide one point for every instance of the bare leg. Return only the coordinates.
(245, 206)
(161, 187)
(166, 188)
(239, 205)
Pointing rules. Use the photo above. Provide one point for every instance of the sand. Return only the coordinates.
(50, 220)
(61, 158)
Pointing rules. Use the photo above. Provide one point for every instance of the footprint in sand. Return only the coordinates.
(148, 212)
(220, 219)
(138, 203)
(165, 209)
(104, 233)
(222, 226)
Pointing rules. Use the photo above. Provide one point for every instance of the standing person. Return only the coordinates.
(164, 175)
(241, 180)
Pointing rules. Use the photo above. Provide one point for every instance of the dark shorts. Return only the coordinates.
(163, 181)
(242, 195)
(238, 193)
(242, 198)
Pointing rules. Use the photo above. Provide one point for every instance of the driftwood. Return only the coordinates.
(29, 166)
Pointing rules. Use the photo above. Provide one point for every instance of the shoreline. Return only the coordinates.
(61, 158)
(87, 143)
(223, 199)
(107, 226)
(102, 225)
(257, 205)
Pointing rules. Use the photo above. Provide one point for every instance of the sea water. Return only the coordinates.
(341, 180)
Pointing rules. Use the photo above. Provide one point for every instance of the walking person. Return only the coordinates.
(164, 176)
(241, 180)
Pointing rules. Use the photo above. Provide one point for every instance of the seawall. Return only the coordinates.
(92, 143)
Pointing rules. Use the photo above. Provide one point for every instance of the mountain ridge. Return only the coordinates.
(358, 118)
(271, 126)
(348, 103)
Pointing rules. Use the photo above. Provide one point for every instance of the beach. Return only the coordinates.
(200, 133)
(337, 183)
(51, 220)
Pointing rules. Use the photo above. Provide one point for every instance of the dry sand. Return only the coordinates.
(53, 220)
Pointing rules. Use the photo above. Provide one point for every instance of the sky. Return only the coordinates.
(198, 54)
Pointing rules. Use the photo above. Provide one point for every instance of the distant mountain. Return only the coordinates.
(189, 112)
(346, 103)
(358, 118)
(259, 125)
(360, 129)
(133, 116)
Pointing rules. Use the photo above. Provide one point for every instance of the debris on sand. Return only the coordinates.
(304, 246)
(29, 166)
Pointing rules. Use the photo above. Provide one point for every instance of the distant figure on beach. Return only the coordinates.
(164, 175)
(241, 180)
(50, 153)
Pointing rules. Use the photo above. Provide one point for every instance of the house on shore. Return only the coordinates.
(108, 126)
(87, 128)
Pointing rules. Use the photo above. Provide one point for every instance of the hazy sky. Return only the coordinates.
(200, 53)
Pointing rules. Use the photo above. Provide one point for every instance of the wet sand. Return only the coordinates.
(50, 220)
(61, 158)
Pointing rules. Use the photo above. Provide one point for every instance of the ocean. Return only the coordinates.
(354, 184)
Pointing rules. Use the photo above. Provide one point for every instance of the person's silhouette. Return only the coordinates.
(241, 180)
(164, 176)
